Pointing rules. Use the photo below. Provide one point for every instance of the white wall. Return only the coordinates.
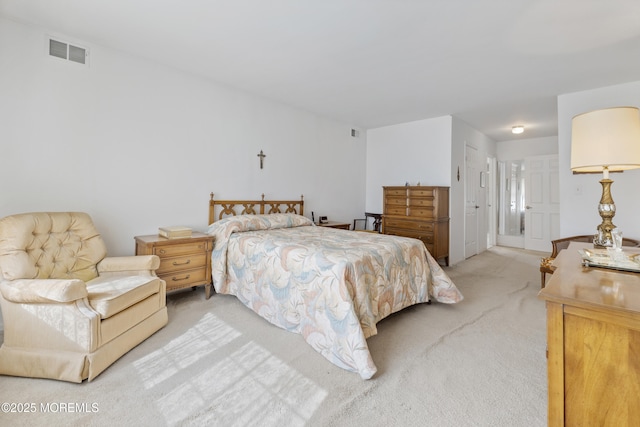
(139, 145)
(521, 148)
(580, 194)
(411, 152)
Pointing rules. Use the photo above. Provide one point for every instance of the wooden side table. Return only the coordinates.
(184, 262)
(593, 343)
(336, 224)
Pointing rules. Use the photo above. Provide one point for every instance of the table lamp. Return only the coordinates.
(605, 141)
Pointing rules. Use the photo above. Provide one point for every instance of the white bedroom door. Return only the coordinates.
(471, 183)
(542, 202)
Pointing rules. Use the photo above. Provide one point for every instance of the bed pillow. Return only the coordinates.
(238, 223)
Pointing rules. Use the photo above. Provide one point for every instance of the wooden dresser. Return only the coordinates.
(593, 343)
(184, 263)
(421, 212)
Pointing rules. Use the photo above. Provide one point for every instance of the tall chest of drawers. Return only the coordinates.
(421, 212)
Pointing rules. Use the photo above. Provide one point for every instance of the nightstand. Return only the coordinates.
(335, 224)
(184, 262)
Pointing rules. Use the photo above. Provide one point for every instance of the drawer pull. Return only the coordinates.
(162, 251)
(181, 263)
(177, 279)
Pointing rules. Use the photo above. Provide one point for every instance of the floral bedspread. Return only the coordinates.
(331, 286)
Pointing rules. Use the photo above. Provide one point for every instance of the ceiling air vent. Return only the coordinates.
(68, 51)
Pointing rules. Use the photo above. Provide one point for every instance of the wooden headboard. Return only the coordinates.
(253, 207)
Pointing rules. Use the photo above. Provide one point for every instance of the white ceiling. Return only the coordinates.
(372, 63)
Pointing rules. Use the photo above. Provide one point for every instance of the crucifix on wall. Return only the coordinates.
(262, 156)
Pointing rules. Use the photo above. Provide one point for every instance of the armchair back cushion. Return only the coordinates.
(50, 245)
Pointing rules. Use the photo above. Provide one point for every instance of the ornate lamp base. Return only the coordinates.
(607, 210)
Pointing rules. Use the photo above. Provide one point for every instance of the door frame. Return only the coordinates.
(471, 183)
(491, 200)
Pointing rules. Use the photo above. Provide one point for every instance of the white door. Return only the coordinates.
(542, 202)
(471, 183)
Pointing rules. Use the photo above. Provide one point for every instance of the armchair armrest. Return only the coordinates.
(29, 291)
(137, 263)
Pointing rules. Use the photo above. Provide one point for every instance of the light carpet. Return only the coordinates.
(478, 363)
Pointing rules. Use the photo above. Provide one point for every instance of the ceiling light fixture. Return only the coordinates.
(517, 129)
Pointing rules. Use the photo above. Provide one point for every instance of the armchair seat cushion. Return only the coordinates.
(111, 295)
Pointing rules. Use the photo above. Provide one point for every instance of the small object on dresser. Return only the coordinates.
(176, 232)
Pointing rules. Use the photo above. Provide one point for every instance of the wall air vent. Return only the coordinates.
(68, 51)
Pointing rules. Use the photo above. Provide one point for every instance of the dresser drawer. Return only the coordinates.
(421, 192)
(185, 278)
(408, 224)
(427, 238)
(421, 212)
(395, 210)
(398, 201)
(422, 202)
(396, 192)
(186, 262)
(180, 249)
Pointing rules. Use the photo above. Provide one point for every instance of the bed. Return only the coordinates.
(331, 286)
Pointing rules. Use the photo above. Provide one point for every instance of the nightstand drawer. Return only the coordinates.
(180, 249)
(182, 263)
(185, 278)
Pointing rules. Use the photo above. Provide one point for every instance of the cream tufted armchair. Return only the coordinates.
(68, 311)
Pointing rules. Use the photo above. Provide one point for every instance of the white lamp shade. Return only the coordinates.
(606, 138)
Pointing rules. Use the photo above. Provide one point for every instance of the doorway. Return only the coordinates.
(511, 203)
(528, 202)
